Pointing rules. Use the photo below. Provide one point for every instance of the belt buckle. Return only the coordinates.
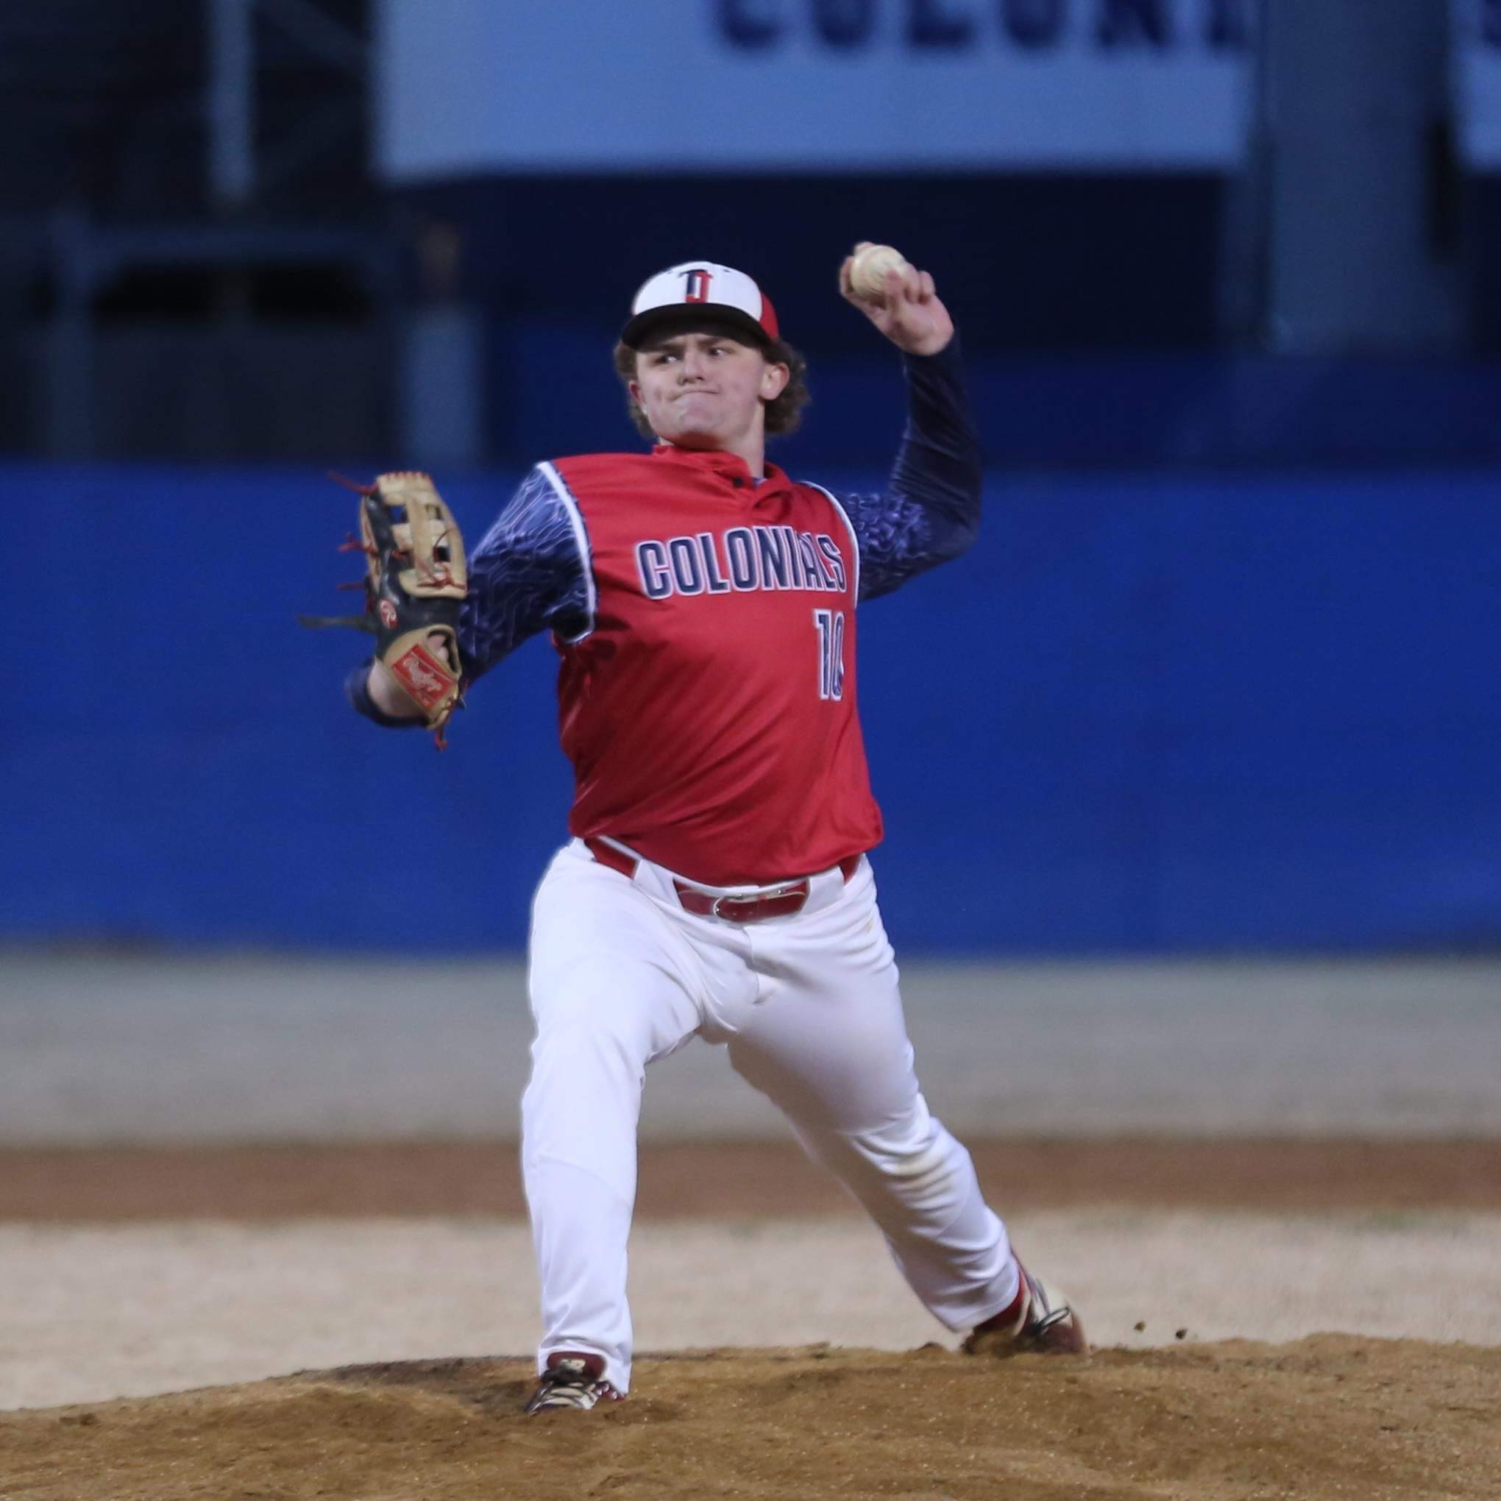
(752, 900)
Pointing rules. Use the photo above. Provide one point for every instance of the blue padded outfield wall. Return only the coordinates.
(1144, 714)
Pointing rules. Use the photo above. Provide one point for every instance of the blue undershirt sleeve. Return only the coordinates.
(930, 511)
(526, 576)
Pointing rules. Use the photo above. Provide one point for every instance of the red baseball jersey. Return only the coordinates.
(708, 706)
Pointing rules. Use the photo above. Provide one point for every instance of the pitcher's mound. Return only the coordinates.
(1331, 1416)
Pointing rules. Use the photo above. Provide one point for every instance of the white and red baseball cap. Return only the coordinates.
(700, 288)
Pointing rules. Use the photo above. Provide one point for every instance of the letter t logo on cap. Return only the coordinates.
(697, 287)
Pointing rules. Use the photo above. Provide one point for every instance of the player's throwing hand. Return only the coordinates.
(907, 310)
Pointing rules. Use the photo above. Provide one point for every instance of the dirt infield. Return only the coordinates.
(1329, 1417)
(742, 1178)
(1237, 1151)
(125, 1269)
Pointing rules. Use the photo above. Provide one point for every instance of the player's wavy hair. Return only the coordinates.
(783, 415)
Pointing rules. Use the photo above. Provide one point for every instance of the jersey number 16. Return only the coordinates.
(830, 625)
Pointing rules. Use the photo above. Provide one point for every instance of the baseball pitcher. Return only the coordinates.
(717, 883)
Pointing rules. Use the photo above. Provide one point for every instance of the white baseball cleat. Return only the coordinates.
(1040, 1322)
(572, 1381)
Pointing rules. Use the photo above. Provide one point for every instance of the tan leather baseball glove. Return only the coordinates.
(415, 581)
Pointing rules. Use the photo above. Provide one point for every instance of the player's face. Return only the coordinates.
(705, 388)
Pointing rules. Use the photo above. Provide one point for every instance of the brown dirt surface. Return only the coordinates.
(731, 1178)
(1328, 1417)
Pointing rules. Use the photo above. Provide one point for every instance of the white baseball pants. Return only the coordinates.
(621, 975)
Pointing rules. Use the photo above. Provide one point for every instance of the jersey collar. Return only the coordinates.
(729, 466)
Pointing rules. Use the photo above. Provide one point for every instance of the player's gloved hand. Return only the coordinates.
(416, 579)
(387, 694)
(908, 311)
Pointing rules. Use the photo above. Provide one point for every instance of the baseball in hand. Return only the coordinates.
(869, 267)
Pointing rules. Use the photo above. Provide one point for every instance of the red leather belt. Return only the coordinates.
(781, 900)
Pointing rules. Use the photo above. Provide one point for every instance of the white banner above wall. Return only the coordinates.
(495, 86)
(1477, 80)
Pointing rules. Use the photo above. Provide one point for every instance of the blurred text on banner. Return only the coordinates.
(471, 87)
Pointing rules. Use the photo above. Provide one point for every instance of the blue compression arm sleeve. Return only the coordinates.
(930, 511)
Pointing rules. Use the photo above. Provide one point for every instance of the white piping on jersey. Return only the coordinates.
(615, 844)
(641, 859)
(581, 538)
(623, 849)
(854, 540)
